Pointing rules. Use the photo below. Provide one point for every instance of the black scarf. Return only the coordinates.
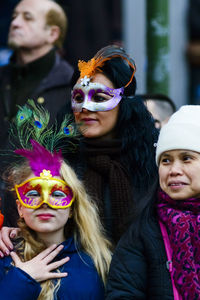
(109, 184)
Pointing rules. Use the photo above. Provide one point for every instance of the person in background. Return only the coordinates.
(36, 70)
(160, 106)
(115, 160)
(159, 257)
(61, 251)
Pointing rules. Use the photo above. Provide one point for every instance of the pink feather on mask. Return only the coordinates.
(40, 158)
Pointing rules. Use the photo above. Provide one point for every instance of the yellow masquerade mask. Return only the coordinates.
(33, 192)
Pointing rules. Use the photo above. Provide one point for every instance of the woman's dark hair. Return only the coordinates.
(136, 129)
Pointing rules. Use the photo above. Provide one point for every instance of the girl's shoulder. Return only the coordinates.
(81, 272)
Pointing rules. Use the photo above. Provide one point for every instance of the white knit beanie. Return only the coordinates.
(181, 132)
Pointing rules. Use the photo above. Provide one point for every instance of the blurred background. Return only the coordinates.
(163, 36)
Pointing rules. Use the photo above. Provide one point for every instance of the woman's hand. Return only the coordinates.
(40, 266)
(5, 243)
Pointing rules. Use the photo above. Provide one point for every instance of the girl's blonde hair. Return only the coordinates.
(84, 225)
(87, 225)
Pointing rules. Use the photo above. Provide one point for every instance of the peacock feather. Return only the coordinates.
(32, 123)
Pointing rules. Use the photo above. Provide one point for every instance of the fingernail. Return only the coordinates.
(13, 235)
(7, 252)
(11, 248)
(1, 254)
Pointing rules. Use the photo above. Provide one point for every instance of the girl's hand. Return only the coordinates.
(40, 266)
(5, 243)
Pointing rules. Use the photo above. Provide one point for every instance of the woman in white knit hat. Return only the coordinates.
(159, 257)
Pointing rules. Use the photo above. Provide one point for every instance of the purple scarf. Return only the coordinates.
(182, 221)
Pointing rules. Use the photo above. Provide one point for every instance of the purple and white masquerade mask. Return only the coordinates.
(94, 96)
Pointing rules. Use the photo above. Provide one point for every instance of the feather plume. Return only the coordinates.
(41, 159)
(96, 63)
(32, 123)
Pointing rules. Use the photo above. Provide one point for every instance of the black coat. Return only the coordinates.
(52, 92)
(138, 268)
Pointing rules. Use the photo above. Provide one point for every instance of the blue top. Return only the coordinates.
(82, 282)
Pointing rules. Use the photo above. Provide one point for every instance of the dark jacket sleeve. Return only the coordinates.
(15, 284)
(128, 272)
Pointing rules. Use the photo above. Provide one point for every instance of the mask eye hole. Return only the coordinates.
(32, 194)
(101, 97)
(78, 98)
(58, 194)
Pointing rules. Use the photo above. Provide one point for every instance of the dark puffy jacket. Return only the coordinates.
(82, 282)
(138, 268)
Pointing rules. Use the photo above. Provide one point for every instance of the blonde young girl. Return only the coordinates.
(61, 251)
(83, 268)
